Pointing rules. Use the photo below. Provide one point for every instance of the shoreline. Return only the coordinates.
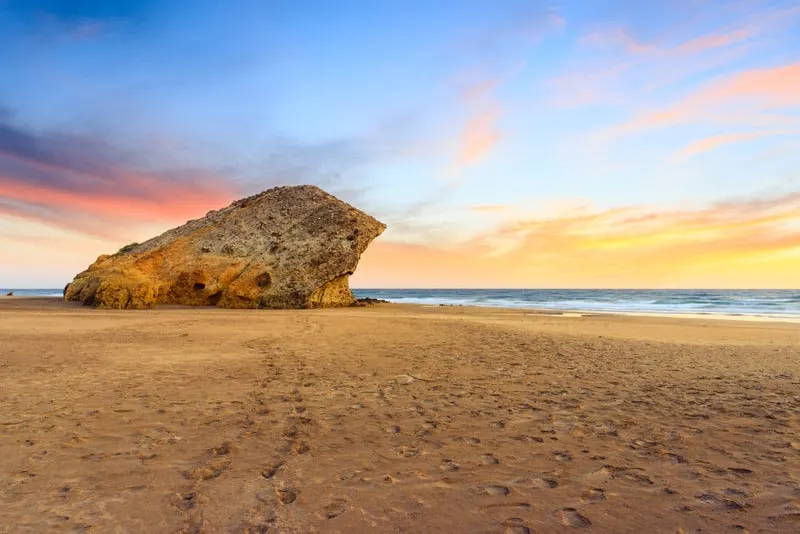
(564, 313)
(668, 315)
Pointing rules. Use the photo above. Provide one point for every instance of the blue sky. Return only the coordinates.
(466, 126)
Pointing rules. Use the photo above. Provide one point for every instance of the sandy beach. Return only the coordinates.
(394, 419)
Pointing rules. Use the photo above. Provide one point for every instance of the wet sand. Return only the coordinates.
(394, 419)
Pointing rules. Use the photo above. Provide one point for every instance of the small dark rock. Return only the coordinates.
(368, 301)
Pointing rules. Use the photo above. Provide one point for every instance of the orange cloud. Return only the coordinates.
(481, 132)
(172, 202)
(746, 243)
(490, 208)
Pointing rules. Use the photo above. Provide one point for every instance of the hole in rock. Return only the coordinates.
(263, 280)
(198, 286)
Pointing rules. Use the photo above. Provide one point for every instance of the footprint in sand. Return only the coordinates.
(624, 473)
(720, 502)
(449, 465)
(301, 447)
(515, 525)
(593, 495)
(270, 471)
(334, 509)
(571, 518)
(489, 459)
(285, 446)
(261, 522)
(740, 471)
(185, 501)
(674, 458)
(207, 472)
(286, 496)
(496, 490)
(408, 451)
(543, 483)
(222, 450)
(736, 492)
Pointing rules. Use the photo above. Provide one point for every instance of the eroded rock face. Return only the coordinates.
(288, 247)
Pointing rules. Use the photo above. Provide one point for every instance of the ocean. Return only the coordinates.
(779, 304)
(34, 292)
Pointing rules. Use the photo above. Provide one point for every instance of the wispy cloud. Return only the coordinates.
(713, 142)
(736, 97)
(479, 136)
(490, 208)
(621, 37)
(481, 131)
(715, 40)
(616, 37)
(628, 61)
(516, 27)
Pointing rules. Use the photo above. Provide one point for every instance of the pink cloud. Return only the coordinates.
(617, 37)
(481, 133)
(104, 213)
(707, 144)
(715, 40)
(754, 90)
(655, 63)
(478, 138)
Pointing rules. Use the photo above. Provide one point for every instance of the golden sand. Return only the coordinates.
(394, 419)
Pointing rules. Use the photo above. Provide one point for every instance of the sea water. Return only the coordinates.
(33, 292)
(759, 303)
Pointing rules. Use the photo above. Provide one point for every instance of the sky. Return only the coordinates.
(586, 143)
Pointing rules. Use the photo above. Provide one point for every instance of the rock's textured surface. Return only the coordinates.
(288, 247)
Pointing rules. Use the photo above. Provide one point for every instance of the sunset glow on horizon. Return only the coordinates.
(505, 144)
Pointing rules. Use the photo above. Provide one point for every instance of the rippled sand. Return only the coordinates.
(394, 419)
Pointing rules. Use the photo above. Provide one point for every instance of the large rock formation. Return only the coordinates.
(288, 247)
